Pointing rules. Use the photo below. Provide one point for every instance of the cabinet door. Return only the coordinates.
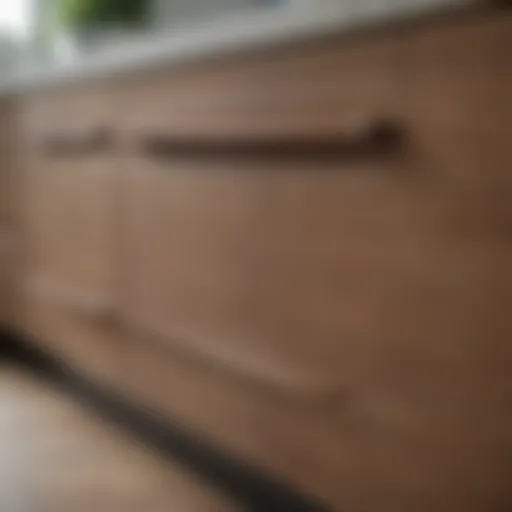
(69, 201)
(69, 266)
(230, 237)
(68, 192)
(68, 187)
(386, 280)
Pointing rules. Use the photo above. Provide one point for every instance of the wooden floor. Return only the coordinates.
(58, 456)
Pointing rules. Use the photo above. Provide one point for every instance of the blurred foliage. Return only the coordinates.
(103, 12)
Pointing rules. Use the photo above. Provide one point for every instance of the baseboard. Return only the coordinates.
(254, 489)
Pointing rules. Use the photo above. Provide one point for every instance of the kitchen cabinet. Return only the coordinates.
(328, 226)
(240, 206)
(300, 255)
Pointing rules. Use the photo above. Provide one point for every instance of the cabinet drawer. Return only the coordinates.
(262, 267)
(299, 276)
(374, 288)
(234, 255)
(74, 328)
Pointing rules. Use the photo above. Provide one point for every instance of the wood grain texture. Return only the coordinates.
(201, 231)
(336, 83)
(343, 322)
(70, 207)
(385, 280)
(69, 278)
(68, 200)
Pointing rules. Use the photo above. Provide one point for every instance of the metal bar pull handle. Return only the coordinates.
(361, 139)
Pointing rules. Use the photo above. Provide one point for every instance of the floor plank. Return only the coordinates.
(57, 456)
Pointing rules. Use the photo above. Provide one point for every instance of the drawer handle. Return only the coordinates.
(99, 140)
(365, 139)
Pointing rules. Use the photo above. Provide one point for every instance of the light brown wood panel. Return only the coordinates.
(290, 439)
(68, 186)
(66, 110)
(189, 250)
(75, 330)
(366, 282)
(69, 273)
(457, 101)
(432, 313)
(385, 279)
(69, 225)
(313, 89)
(341, 321)
(262, 268)
(69, 203)
(196, 229)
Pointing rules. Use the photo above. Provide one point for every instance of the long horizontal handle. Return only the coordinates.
(93, 141)
(364, 139)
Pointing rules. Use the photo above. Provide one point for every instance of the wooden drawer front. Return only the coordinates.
(375, 289)
(300, 276)
(74, 328)
(318, 89)
(194, 242)
(68, 216)
(210, 267)
(352, 332)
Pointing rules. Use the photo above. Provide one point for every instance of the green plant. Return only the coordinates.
(104, 12)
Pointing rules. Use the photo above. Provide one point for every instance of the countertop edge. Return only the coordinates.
(242, 32)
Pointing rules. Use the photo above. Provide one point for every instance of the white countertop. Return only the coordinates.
(243, 31)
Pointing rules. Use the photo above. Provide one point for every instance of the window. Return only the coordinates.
(15, 18)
